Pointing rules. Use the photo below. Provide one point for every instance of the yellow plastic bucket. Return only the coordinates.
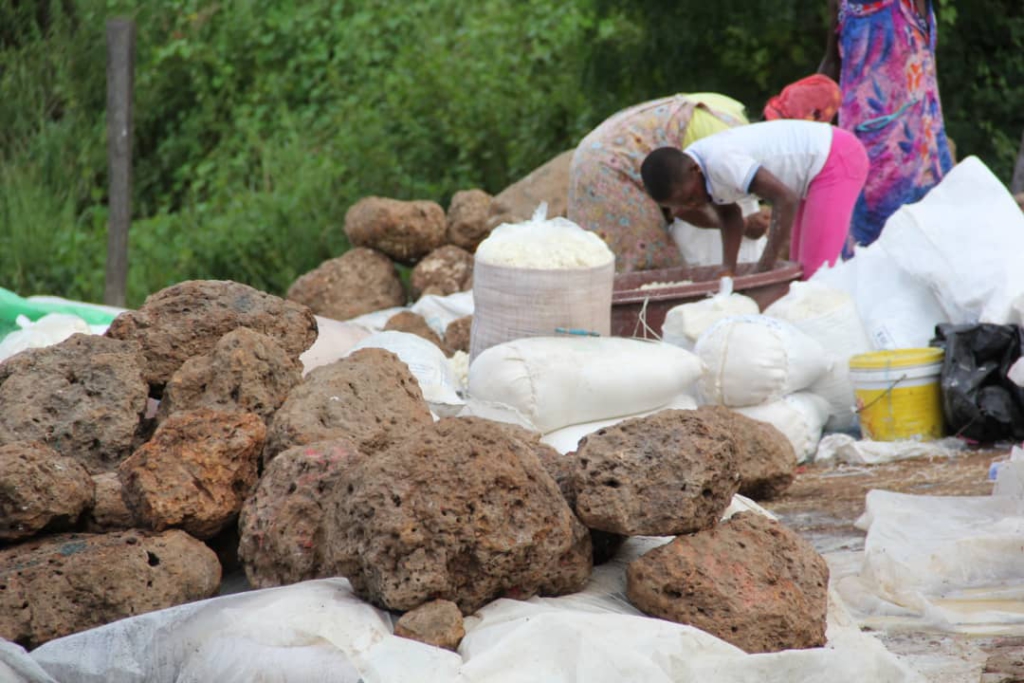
(898, 394)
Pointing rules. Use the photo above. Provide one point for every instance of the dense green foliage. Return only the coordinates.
(258, 122)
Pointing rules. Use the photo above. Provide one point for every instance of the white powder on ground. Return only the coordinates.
(555, 244)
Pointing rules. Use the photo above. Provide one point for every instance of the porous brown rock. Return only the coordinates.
(444, 271)
(404, 231)
(109, 511)
(359, 281)
(438, 623)
(189, 318)
(458, 333)
(58, 585)
(467, 219)
(84, 397)
(370, 398)
(764, 456)
(472, 517)
(195, 473)
(245, 372)
(670, 473)
(750, 581)
(40, 490)
(413, 323)
(548, 183)
(281, 524)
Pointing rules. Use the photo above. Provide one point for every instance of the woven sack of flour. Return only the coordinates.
(566, 439)
(828, 315)
(800, 417)
(428, 365)
(684, 324)
(554, 382)
(756, 359)
(535, 278)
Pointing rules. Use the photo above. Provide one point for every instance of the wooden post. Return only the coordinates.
(120, 81)
(1017, 184)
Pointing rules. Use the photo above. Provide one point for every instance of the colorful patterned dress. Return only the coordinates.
(891, 103)
(606, 193)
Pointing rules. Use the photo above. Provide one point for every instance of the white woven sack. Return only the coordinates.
(426, 362)
(559, 381)
(684, 324)
(566, 439)
(536, 278)
(828, 315)
(800, 417)
(756, 359)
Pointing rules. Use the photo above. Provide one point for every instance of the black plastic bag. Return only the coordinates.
(978, 400)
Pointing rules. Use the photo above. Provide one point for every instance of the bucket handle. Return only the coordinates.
(882, 395)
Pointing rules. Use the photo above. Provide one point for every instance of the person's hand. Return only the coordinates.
(756, 225)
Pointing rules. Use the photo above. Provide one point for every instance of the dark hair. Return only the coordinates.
(662, 171)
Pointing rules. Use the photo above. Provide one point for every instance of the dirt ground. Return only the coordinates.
(825, 501)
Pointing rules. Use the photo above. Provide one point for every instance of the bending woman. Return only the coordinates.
(606, 193)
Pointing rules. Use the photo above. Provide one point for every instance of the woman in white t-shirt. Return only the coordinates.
(811, 172)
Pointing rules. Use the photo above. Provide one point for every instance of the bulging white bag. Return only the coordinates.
(756, 359)
(964, 241)
(426, 362)
(439, 311)
(566, 439)
(896, 310)
(684, 324)
(828, 315)
(52, 328)
(558, 381)
(334, 340)
(800, 417)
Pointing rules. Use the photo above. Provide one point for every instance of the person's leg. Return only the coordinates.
(825, 220)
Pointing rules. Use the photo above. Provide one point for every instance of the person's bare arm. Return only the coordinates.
(784, 205)
(731, 219)
(832, 63)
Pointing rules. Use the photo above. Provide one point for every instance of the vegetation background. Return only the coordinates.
(259, 122)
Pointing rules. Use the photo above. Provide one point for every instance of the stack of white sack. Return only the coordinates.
(428, 365)
(829, 316)
(684, 324)
(762, 367)
(549, 383)
(952, 257)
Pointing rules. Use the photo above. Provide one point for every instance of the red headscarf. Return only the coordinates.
(815, 98)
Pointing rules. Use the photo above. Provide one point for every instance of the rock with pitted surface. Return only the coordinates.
(109, 511)
(467, 219)
(359, 281)
(370, 398)
(404, 231)
(438, 623)
(670, 473)
(750, 581)
(40, 490)
(764, 456)
(413, 323)
(281, 525)
(189, 318)
(457, 334)
(84, 397)
(245, 372)
(446, 270)
(54, 586)
(472, 517)
(196, 472)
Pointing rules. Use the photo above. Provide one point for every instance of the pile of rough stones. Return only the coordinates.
(139, 467)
